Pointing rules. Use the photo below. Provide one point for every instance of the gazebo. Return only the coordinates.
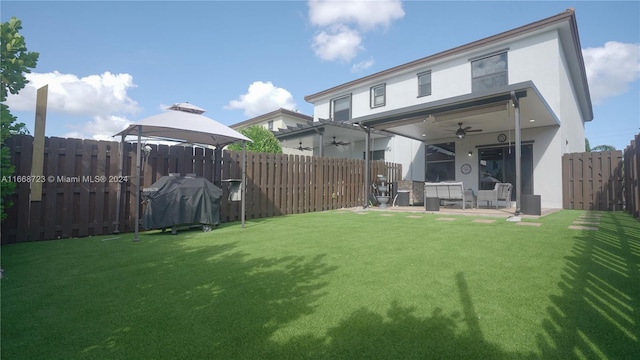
(182, 123)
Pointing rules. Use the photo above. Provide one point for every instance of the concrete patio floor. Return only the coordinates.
(457, 210)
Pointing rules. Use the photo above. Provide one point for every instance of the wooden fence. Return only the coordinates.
(592, 181)
(84, 180)
(631, 176)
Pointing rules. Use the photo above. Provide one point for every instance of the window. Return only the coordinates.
(489, 72)
(342, 108)
(441, 162)
(378, 95)
(424, 84)
(374, 155)
(270, 124)
(498, 164)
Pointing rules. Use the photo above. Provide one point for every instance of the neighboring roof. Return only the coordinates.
(269, 115)
(185, 124)
(578, 74)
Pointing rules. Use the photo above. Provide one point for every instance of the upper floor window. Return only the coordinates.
(424, 84)
(489, 72)
(378, 95)
(342, 108)
(270, 125)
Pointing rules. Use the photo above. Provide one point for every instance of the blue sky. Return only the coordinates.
(111, 63)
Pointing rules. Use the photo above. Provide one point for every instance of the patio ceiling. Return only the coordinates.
(309, 134)
(490, 111)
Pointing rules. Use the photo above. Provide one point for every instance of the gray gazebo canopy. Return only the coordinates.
(183, 123)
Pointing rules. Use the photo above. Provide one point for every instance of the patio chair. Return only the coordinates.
(501, 192)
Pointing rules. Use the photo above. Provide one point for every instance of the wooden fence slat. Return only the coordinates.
(100, 174)
(114, 182)
(23, 167)
(290, 189)
(50, 188)
(264, 185)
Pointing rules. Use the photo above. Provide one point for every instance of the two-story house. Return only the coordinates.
(501, 109)
(274, 120)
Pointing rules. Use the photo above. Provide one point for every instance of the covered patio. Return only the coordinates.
(328, 138)
(474, 124)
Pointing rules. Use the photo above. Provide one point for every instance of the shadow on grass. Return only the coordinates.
(171, 299)
(598, 313)
(400, 335)
(219, 302)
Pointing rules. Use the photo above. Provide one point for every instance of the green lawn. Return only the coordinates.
(331, 285)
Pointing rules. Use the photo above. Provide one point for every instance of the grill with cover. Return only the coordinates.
(181, 200)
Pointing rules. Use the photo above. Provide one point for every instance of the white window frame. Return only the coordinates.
(376, 97)
(423, 91)
(502, 73)
(333, 108)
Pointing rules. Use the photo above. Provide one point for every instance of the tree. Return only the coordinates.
(587, 146)
(263, 140)
(15, 61)
(603, 148)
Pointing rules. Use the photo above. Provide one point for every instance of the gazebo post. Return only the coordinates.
(137, 217)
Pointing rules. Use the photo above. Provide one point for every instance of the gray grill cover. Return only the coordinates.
(177, 200)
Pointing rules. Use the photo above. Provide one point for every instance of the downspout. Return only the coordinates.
(516, 105)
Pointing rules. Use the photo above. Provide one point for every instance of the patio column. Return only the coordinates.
(321, 146)
(516, 105)
(367, 165)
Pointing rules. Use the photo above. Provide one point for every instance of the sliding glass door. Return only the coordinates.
(498, 164)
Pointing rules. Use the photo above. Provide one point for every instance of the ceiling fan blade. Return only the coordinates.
(467, 128)
(476, 130)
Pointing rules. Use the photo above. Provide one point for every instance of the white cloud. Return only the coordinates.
(90, 95)
(339, 43)
(366, 14)
(100, 128)
(103, 98)
(362, 65)
(261, 98)
(611, 69)
(343, 23)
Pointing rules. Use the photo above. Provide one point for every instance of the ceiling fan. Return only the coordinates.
(462, 132)
(338, 143)
(302, 148)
